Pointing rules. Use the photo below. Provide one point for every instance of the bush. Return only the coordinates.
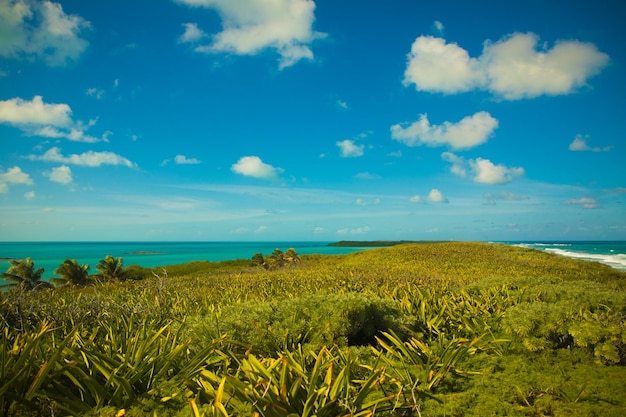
(349, 319)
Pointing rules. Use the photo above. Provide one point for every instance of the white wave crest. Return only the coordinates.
(617, 260)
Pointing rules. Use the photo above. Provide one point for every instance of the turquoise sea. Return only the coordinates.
(49, 255)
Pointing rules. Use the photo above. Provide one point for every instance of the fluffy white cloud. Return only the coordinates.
(437, 66)
(469, 132)
(13, 176)
(29, 195)
(483, 170)
(192, 33)
(253, 166)
(17, 111)
(487, 172)
(183, 160)
(40, 29)
(580, 144)
(435, 196)
(88, 159)
(512, 68)
(36, 118)
(251, 26)
(62, 175)
(586, 202)
(349, 149)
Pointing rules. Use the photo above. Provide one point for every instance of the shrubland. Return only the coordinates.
(437, 329)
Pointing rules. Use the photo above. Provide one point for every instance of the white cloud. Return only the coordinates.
(88, 159)
(366, 176)
(349, 149)
(62, 175)
(183, 160)
(487, 172)
(29, 195)
(342, 104)
(17, 111)
(360, 202)
(416, 199)
(436, 66)
(253, 166)
(469, 132)
(438, 26)
(580, 144)
(251, 26)
(13, 176)
(483, 170)
(458, 163)
(73, 134)
(355, 231)
(503, 195)
(586, 202)
(512, 68)
(435, 196)
(41, 30)
(95, 92)
(192, 33)
(36, 118)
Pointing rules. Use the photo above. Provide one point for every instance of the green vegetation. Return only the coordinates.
(439, 329)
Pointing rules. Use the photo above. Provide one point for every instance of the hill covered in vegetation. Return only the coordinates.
(436, 329)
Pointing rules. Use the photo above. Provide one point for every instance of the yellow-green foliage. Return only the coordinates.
(467, 329)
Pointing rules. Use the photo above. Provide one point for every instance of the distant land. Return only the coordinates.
(378, 243)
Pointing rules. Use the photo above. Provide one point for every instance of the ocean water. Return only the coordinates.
(49, 255)
(612, 253)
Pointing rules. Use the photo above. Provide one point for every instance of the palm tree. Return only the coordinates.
(291, 256)
(23, 275)
(111, 269)
(72, 274)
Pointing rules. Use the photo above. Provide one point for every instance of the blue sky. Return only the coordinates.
(303, 120)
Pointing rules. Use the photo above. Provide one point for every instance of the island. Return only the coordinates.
(377, 243)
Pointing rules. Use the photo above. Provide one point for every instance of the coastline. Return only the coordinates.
(49, 255)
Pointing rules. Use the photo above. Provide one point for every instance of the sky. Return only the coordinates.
(326, 120)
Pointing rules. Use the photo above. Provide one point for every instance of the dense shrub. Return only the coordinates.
(312, 321)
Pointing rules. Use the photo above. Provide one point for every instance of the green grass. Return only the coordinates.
(430, 329)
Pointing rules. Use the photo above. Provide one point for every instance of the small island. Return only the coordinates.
(377, 243)
(141, 252)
